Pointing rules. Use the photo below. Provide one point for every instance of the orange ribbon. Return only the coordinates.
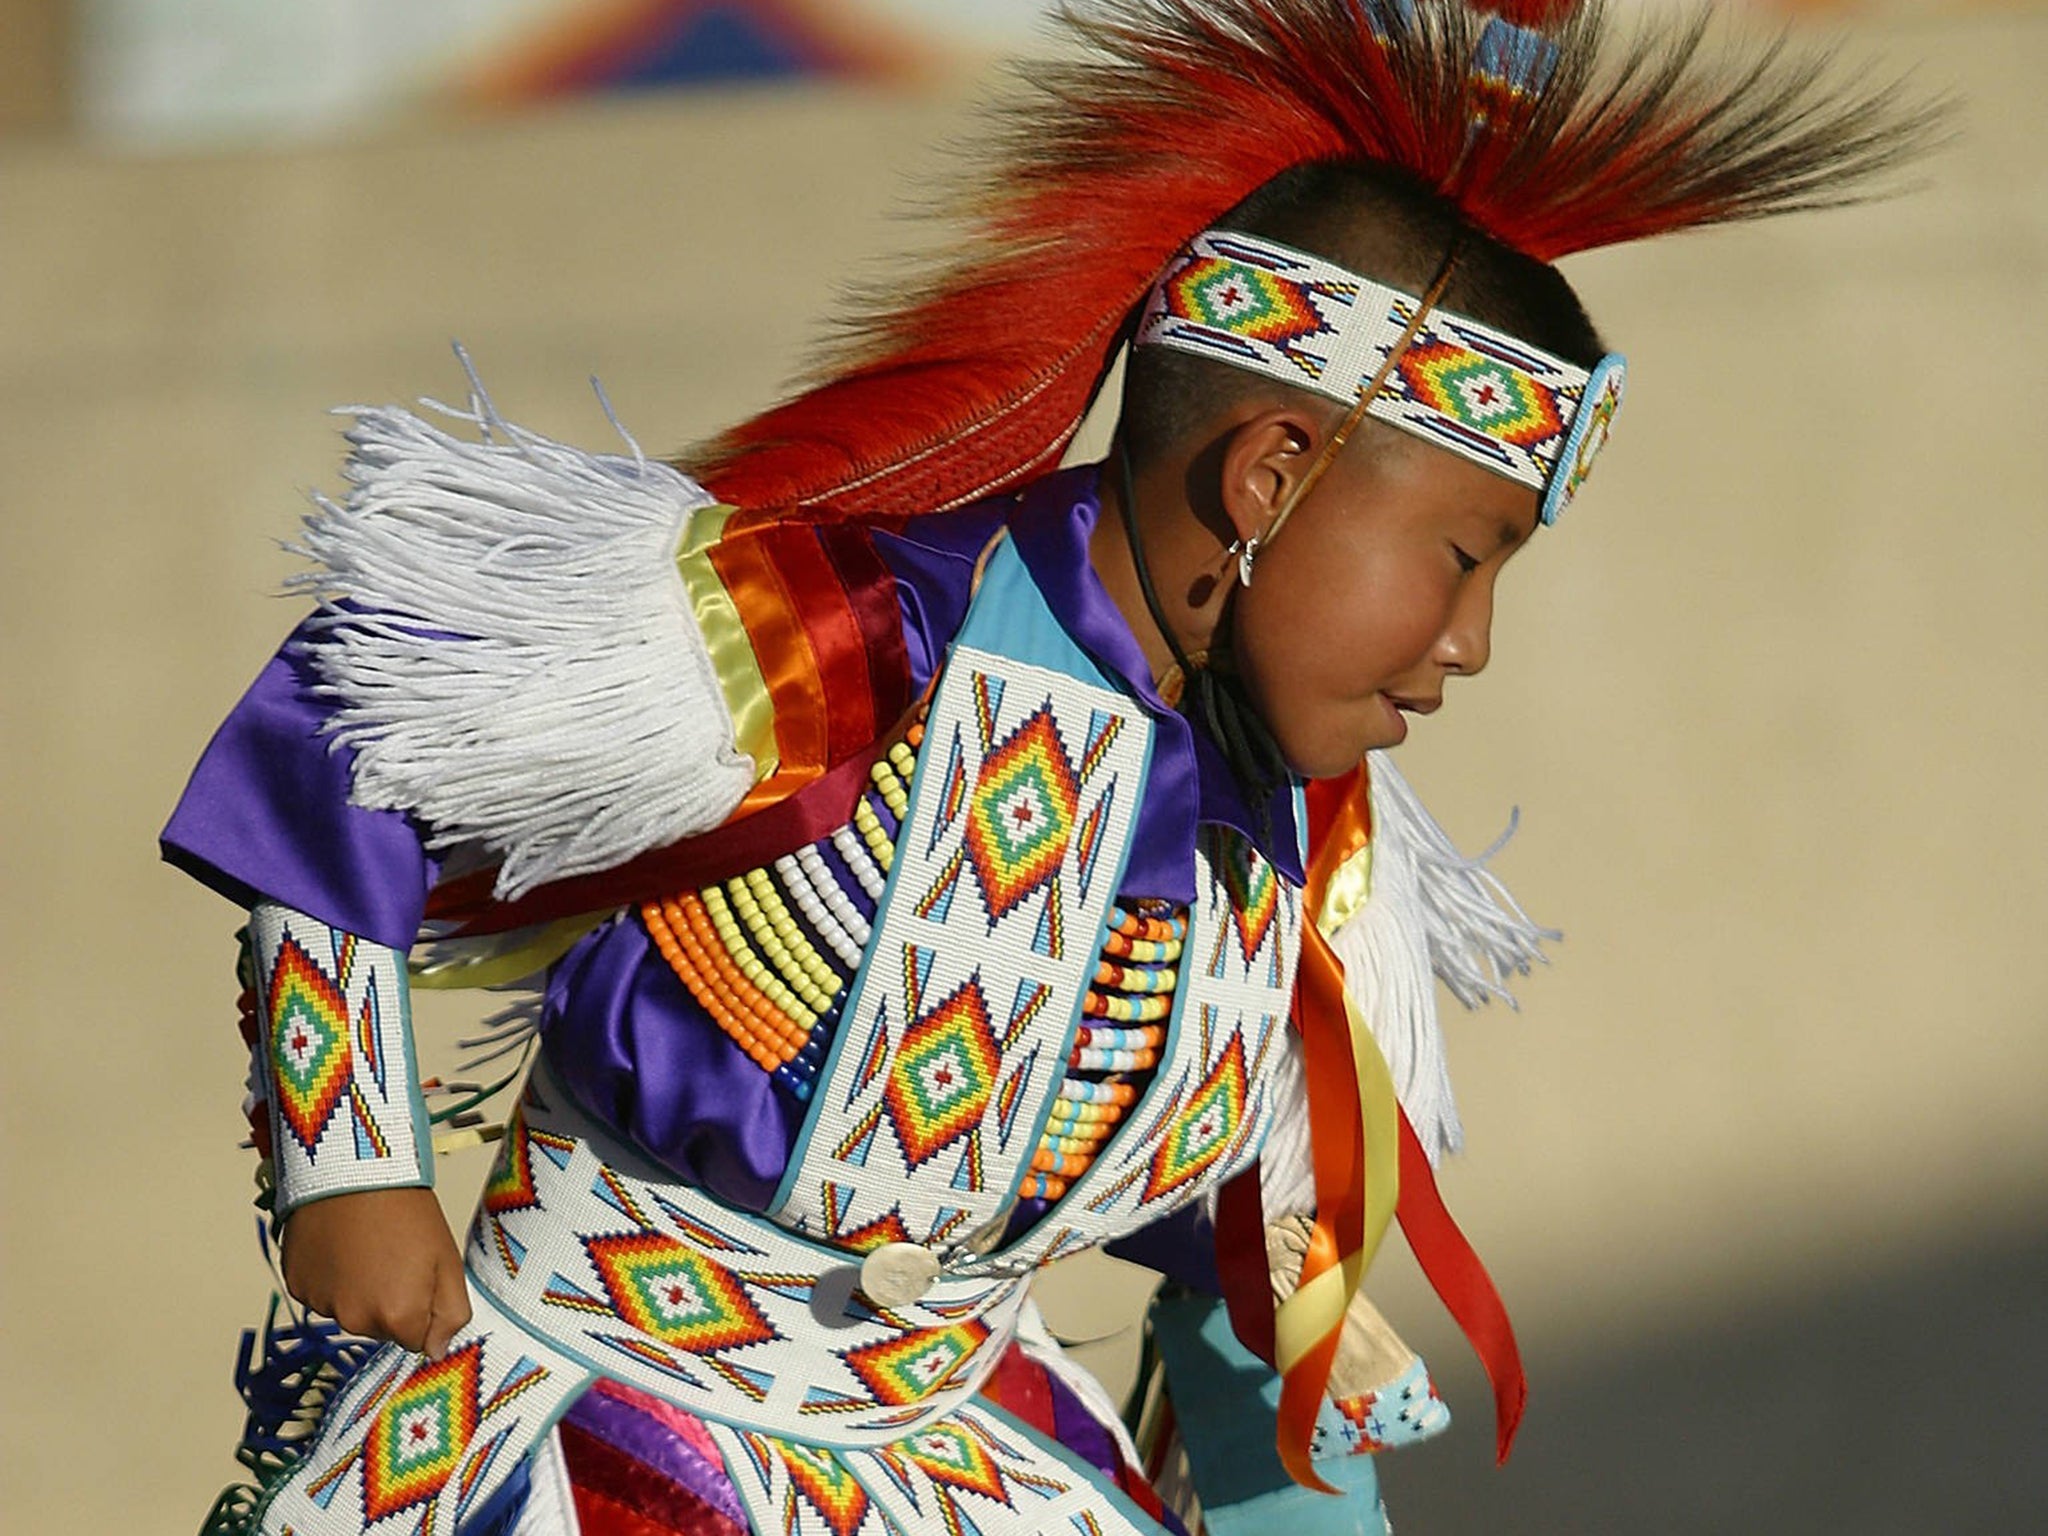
(1368, 1164)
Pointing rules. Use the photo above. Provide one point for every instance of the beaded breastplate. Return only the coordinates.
(949, 986)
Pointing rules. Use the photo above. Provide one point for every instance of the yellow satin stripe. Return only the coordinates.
(1309, 1315)
(490, 967)
(1347, 891)
(725, 637)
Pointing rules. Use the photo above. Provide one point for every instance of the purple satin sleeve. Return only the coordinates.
(267, 816)
(634, 1049)
(933, 561)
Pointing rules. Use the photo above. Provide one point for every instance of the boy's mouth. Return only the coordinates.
(1415, 706)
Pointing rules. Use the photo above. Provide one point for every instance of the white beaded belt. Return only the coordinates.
(721, 1312)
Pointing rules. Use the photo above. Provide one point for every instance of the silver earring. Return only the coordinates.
(1247, 551)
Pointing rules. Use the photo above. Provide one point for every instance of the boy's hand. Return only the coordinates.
(381, 1263)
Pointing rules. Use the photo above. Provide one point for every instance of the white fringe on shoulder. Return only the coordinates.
(1433, 913)
(510, 645)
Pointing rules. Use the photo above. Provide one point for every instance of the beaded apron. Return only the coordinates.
(728, 1316)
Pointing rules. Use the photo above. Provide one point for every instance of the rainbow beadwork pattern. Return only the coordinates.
(335, 1049)
(1464, 386)
(416, 1447)
(957, 1030)
(654, 1283)
(976, 1473)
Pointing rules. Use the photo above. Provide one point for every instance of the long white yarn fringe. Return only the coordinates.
(1433, 913)
(510, 646)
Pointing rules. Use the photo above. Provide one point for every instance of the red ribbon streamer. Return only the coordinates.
(1461, 1282)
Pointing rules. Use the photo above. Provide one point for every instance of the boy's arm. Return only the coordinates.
(454, 695)
(349, 1137)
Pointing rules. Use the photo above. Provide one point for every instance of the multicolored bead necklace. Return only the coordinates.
(771, 954)
(1117, 1046)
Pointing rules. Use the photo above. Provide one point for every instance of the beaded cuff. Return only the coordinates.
(334, 1026)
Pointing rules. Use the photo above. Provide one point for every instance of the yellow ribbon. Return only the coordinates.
(725, 637)
(1308, 1316)
(1348, 889)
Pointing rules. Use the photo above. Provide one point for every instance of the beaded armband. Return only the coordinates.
(334, 1042)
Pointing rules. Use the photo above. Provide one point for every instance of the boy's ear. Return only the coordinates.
(1264, 457)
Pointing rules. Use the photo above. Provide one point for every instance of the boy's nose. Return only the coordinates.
(1467, 643)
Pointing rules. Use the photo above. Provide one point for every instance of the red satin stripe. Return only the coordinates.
(871, 589)
(1139, 1490)
(1241, 1263)
(748, 842)
(1337, 1142)
(617, 1494)
(1022, 1388)
(838, 645)
(1019, 1387)
(1465, 1288)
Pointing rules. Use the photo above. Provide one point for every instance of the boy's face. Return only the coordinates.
(1378, 589)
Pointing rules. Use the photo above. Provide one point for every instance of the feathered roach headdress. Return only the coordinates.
(1543, 128)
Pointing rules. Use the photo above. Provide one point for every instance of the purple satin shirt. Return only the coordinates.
(267, 815)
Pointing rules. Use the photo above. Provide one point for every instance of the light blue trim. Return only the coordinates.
(1558, 494)
(422, 1121)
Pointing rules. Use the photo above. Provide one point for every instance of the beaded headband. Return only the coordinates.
(1464, 386)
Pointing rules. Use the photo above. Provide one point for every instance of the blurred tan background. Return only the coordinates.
(1759, 1166)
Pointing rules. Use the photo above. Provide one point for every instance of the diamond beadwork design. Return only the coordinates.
(310, 1057)
(1254, 890)
(911, 1368)
(1202, 1130)
(1482, 393)
(675, 1294)
(951, 1455)
(420, 1433)
(1243, 300)
(1021, 814)
(826, 1485)
(944, 1075)
(510, 1187)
